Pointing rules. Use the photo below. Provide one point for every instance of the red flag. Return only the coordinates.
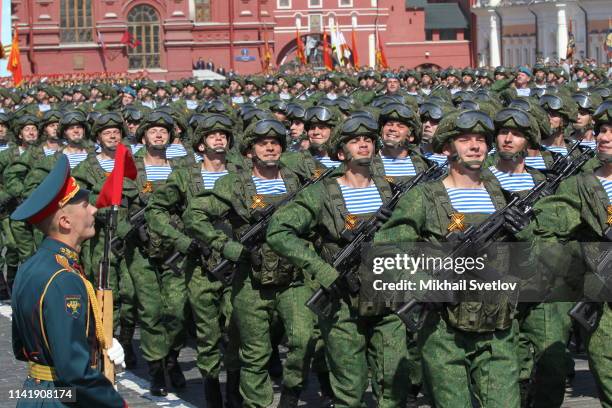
(112, 190)
(354, 49)
(267, 57)
(128, 40)
(301, 52)
(381, 59)
(327, 60)
(14, 61)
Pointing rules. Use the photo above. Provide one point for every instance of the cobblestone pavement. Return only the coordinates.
(134, 386)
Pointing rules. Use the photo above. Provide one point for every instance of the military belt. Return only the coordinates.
(41, 372)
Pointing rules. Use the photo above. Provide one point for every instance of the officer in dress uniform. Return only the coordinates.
(56, 318)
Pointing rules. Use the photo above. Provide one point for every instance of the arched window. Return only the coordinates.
(143, 25)
(76, 24)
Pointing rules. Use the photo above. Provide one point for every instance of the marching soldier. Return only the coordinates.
(357, 339)
(581, 210)
(265, 284)
(207, 297)
(56, 319)
(319, 122)
(467, 350)
(108, 129)
(401, 133)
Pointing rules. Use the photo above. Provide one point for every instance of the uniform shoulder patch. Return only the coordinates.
(74, 305)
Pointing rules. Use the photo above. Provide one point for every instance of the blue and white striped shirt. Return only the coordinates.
(210, 177)
(607, 185)
(398, 167)
(513, 181)
(361, 200)
(175, 150)
(198, 158)
(136, 147)
(557, 149)
(471, 200)
(75, 158)
(3, 147)
(269, 187)
(107, 164)
(327, 162)
(191, 104)
(537, 162)
(439, 159)
(158, 173)
(49, 152)
(589, 143)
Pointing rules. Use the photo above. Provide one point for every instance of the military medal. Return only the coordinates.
(389, 179)
(148, 187)
(258, 202)
(456, 222)
(350, 222)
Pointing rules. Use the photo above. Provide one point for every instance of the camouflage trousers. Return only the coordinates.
(211, 307)
(254, 309)
(11, 257)
(358, 346)
(543, 336)
(154, 287)
(600, 356)
(458, 365)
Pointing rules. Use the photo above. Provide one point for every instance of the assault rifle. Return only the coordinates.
(138, 225)
(254, 234)
(202, 251)
(104, 293)
(587, 314)
(479, 237)
(344, 261)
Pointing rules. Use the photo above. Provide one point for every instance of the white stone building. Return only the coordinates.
(516, 32)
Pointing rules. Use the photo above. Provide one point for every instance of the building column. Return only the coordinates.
(494, 57)
(561, 31)
(372, 50)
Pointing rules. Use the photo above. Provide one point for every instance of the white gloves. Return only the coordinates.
(115, 354)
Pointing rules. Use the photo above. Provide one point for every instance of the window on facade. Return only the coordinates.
(75, 21)
(448, 35)
(315, 3)
(143, 24)
(202, 10)
(316, 23)
(284, 4)
(345, 3)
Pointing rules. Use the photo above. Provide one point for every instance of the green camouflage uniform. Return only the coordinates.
(458, 356)
(257, 292)
(578, 210)
(7, 240)
(358, 341)
(207, 297)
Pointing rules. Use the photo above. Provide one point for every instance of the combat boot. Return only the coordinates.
(174, 370)
(126, 334)
(327, 394)
(275, 365)
(233, 399)
(212, 393)
(289, 397)
(4, 288)
(158, 386)
(413, 395)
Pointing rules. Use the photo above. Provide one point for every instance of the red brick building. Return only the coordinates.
(67, 35)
